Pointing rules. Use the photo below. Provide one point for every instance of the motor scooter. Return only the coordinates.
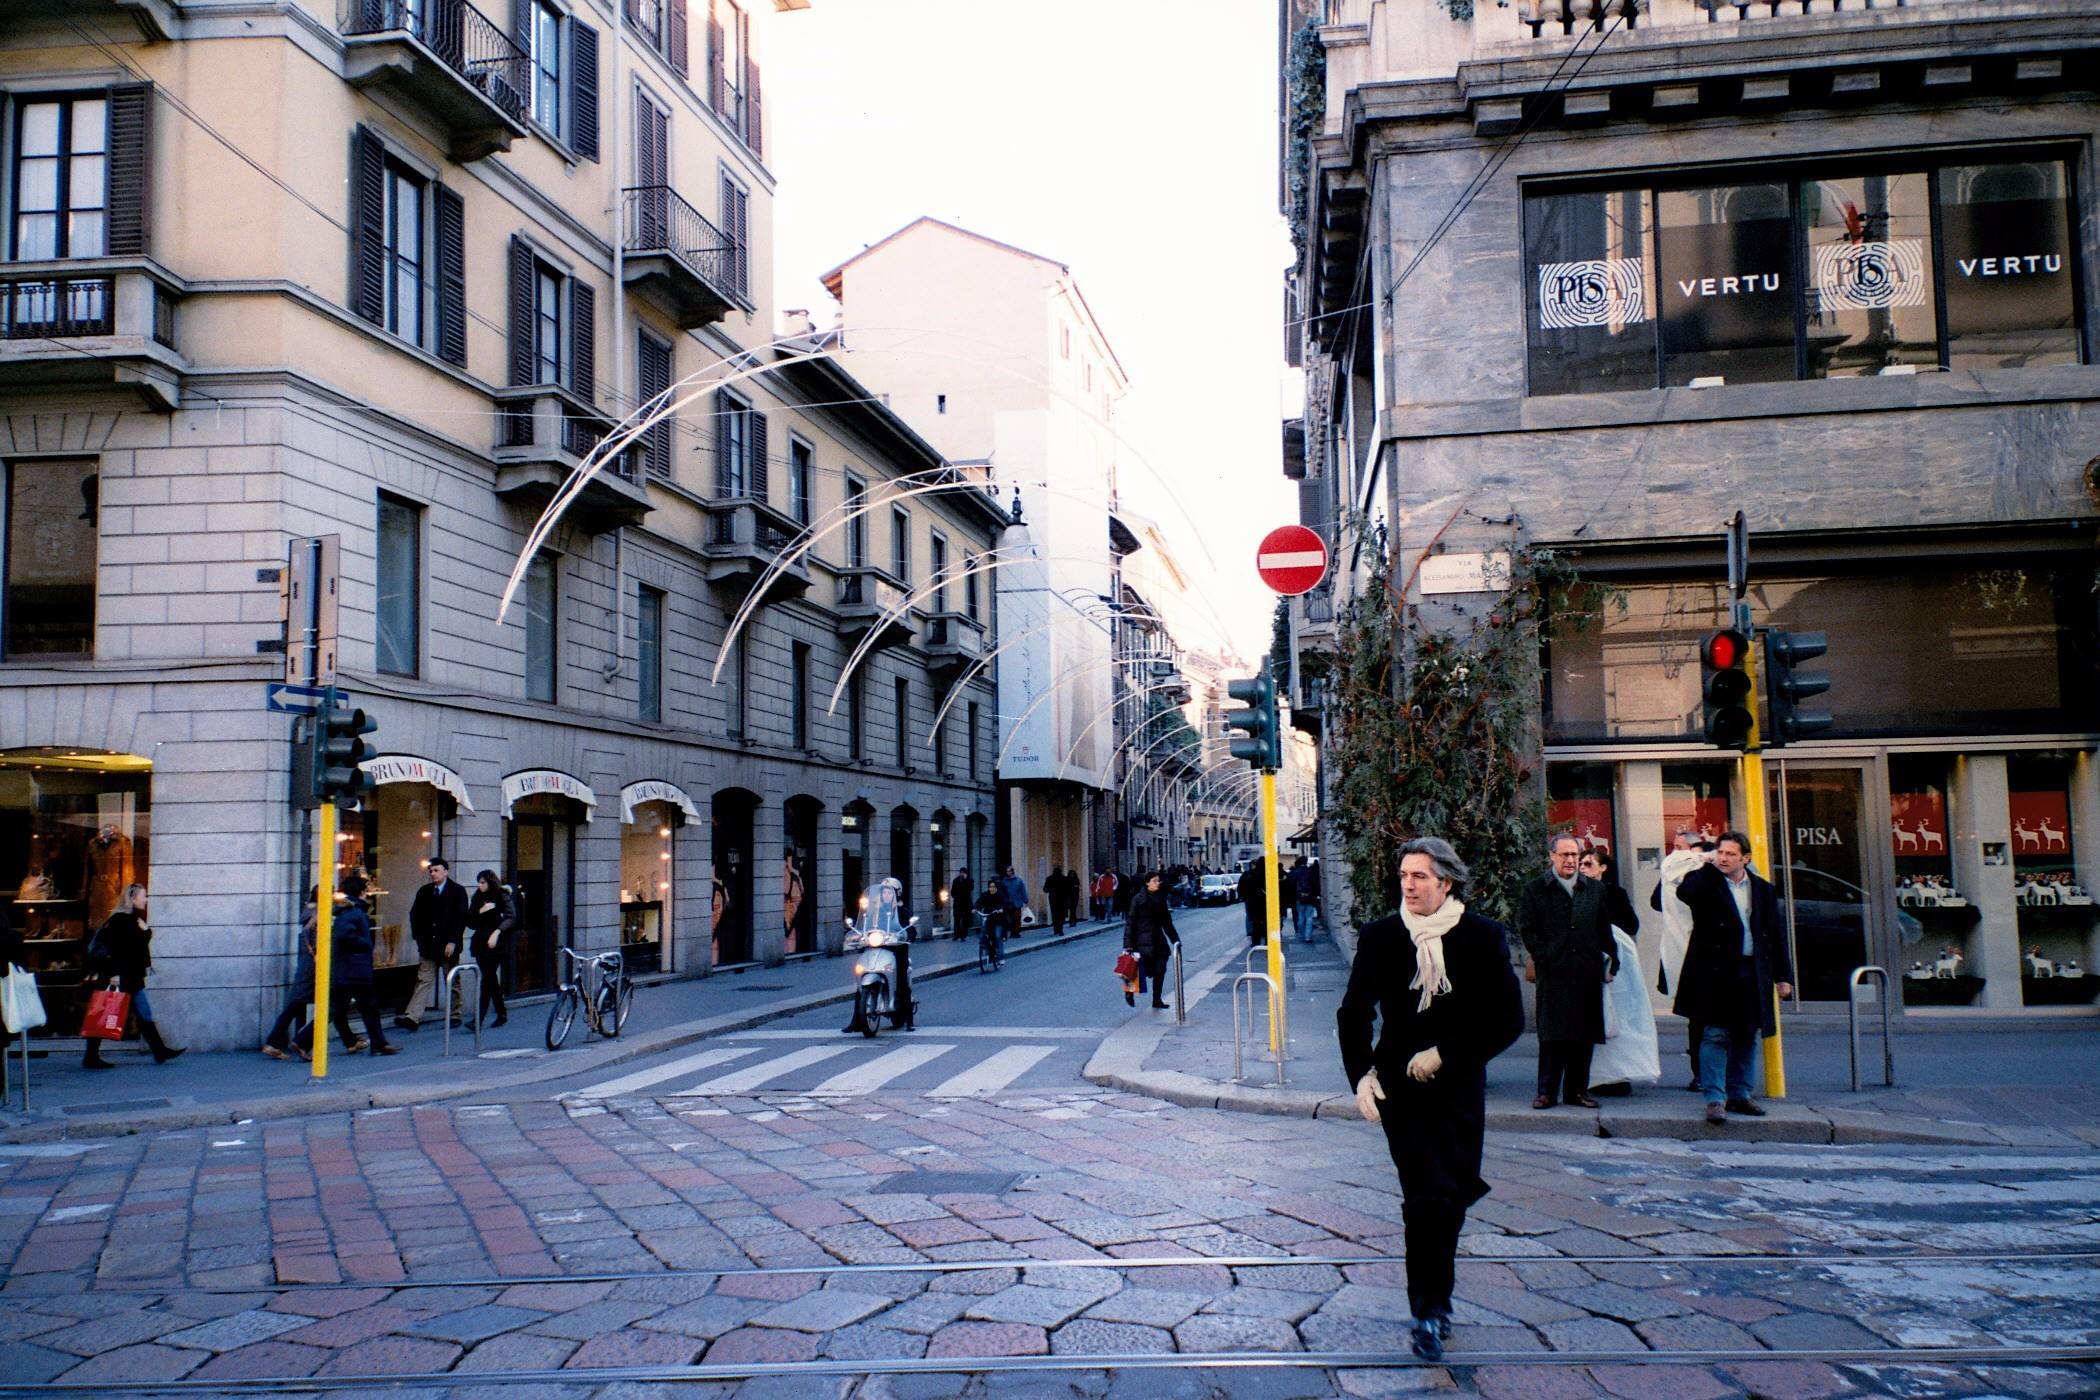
(875, 972)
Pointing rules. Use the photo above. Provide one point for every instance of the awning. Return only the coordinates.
(655, 790)
(407, 768)
(533, 781)
(1308, 837)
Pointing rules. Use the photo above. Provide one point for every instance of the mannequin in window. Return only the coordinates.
(109, 869)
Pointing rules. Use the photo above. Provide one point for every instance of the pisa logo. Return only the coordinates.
(1594, 292)
(1871, 276)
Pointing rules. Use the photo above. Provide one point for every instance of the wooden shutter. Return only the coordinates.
(634, 12)
(717, 65)
(368, 227)
(757, 446)
(652, 142)
(736, 224)
(722, 465)
(521, 26)
(130, 170)
(653, 363)
(521, 325)
(583, 340)
(754, 124)
(583, 89)
(674, 39)
(451, 277)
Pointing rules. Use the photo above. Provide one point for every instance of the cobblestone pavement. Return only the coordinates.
(524, 1245)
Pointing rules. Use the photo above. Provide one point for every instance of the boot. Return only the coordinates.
(93, 1058)
(161, 1053)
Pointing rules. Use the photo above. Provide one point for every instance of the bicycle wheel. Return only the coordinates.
(984, 953)
(608, 1010)
(626, 1005)
(562, 1016)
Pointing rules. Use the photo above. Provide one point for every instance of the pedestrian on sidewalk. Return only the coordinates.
(1013, 898)
(1735, 963)
(1254, 894)
(1688, 853)
(438, 919)
(1438, 980)
(1104, 892)
(350, 976)
(962, 901)
(278, 1043)
(494, 915)
(1149, 933)
(1303, 906)
(1286, 905)
(1560, 917)
(1054, 891)
(1629, 1051)
(121, 954)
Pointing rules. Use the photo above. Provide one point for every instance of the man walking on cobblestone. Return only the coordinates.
(1438, 980)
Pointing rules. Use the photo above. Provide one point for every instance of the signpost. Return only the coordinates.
(312, 583)
(1292, 560)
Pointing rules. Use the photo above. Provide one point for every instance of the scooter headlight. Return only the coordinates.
(858, 969)
(875, 940)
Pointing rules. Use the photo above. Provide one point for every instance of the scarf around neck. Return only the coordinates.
(1427, 931)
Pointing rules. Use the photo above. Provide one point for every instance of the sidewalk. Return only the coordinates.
(1980, 1085)
(200, 1089)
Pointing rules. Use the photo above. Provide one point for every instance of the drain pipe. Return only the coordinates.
(624, 374)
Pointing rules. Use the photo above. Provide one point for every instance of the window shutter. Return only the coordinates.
(583, 89)
(130, 170)
(757, 474)
(654, 366)
(674, 39)
(521, 327)
(717, 65)
(634, 13)
(368, 227)
(521, 25)
(722, 464)
(754, 135)
(583, 340)
(451, 277)
(735, 223)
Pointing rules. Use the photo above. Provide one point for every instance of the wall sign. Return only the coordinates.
(1725, 286)
(1871, 276)
(533, 781)
(2008, 265)
(1464, 573)
(655, 790)
(1592, 292)
(405, 768)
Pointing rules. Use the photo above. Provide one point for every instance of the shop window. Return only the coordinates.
(2006, 250)
(1725, 263)
(648, 879)
(1870, 285)
(75, 830)
(398, 621)
(649, 654)
(1695, 801)
(402, 828)
(1934, 916)
(1590, 290)
(1579, 803)
(52, 515)
(542, 630)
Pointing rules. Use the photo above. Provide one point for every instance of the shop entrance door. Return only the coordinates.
(537, 859)
(1829, 874)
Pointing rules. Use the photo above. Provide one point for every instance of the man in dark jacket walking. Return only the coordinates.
(1561, 919)
(1254, 895)
(438, 920)
(1013, 898)
(1734, 963)
(962, 902)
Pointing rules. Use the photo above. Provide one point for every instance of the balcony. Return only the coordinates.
(869, 599)
(543, 435)
(672, 255)
(449, 59)
(151, 20)
(745, 537)
(954, 643)
(88, 322)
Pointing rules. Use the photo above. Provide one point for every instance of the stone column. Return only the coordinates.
(768, 904)
(1978, 795)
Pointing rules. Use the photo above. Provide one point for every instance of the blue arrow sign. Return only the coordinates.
(292, 699)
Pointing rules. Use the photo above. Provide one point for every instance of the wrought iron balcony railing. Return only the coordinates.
(464, 39)
(660, 222)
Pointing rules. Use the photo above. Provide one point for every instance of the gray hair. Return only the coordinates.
(1553, 841)
(1443, 861)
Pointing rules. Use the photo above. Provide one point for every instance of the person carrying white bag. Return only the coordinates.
(1629, 1054)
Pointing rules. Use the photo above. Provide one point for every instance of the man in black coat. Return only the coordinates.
(438, 920)
(1561, 918)
(1735, 961)
(1254, 895)
(1438, 979)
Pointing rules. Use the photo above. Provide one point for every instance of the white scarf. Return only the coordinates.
(1427, 931)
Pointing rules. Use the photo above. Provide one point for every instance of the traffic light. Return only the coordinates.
(1724, 660)
(1260, 741)
(1786, 687)
(338, 748)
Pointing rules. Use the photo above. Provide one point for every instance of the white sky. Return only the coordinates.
(1133, 140)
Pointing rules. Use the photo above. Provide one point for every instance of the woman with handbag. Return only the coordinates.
(121, 954)
(490, 915)
(1150, 934)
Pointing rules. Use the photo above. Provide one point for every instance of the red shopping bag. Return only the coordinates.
(107, 1011)
(1127, 966)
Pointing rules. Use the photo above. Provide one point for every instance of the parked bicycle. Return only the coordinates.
(600, 989)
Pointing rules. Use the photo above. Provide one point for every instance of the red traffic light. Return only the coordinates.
(1726, 649)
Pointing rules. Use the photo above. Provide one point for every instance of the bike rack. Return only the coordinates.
(1888, 1055)
(1270, 983)
(452, 996)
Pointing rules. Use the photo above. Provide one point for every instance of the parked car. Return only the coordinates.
(1218, 889)
(1830, 932)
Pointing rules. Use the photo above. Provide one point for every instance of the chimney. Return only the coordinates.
(797, 324)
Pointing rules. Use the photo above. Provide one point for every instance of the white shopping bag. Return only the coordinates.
(21, 1009)
(1629, 1054)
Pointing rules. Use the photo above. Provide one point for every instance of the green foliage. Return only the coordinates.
(1436, 732)
(1307, 69)
(1279, 658)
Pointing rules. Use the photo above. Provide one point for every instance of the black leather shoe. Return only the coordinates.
(1425, 1341)
(1746, 1108)
(1714, 1114)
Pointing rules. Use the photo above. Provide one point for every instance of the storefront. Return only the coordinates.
(542, 807)
(732, 887)
(407, 820)
(798, 876)
(855, 832)
(75, 830)
(937, 832)
(652, 813)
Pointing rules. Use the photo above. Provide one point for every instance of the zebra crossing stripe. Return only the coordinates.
(643, 1078)
(993, 1072)
(745, 1080)
(865, 1079)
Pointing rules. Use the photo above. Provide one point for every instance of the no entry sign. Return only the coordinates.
(1292, 560)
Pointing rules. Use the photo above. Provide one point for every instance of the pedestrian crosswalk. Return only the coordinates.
(955, 1066)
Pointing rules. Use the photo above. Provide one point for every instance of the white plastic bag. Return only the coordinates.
(21, 1009)
(1629, 1054)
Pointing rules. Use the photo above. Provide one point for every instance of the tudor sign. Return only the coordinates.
(1292, 560)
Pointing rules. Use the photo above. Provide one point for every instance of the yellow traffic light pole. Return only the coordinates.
(1270, 912)
(1760, 831)
(324, 929)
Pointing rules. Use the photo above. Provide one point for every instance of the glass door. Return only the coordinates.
(1830, 878)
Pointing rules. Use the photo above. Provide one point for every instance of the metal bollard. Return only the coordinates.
(1181, 1006)
(452, 994)
(24, 1040)
(1888, 1054)
(1270, 983)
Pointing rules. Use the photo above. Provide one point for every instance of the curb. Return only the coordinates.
(328, 1099)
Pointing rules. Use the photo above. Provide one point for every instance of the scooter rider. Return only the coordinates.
(887, 916)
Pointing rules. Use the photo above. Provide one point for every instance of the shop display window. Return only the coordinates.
(648, 851)
(2055, 911)
(1695, 800)
(1934, 916)
(390, 843)
(75, 829)
(1578, 802)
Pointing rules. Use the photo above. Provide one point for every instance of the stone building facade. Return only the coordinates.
(1594, 279)
(391, 274)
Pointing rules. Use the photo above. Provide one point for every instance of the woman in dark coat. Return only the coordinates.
(350, 977)
(1149, 932)
(1439, 981)
(121, 953)
(491, 917)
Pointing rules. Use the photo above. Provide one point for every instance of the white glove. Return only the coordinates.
(1423, 1067)
(1368, 1093)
